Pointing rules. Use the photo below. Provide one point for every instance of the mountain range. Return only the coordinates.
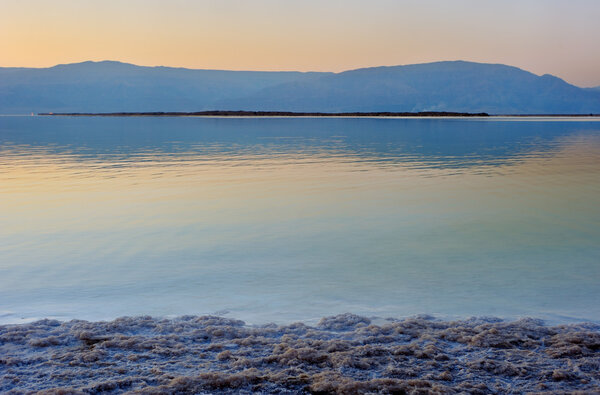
(457, 86)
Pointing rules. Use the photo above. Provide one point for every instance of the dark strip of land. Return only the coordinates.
(274, 114)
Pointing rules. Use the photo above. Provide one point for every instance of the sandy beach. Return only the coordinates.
(343, 354)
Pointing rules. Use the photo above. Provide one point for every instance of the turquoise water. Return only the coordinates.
(268, 219)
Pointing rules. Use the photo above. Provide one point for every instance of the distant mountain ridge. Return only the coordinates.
(109, 86)
(454, 86)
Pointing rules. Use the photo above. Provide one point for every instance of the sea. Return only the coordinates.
(293, 219)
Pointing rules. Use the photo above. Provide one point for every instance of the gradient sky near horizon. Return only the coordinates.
(543, 36)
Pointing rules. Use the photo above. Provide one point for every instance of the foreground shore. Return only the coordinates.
(344, 354)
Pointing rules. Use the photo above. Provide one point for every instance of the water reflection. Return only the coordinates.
(446, 143)
(282, 219)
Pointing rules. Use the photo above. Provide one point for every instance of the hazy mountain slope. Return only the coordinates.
(114, 86)
(441, 86)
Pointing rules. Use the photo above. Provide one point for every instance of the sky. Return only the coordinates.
(543, 36)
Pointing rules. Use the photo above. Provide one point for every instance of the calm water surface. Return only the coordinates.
(293, 219)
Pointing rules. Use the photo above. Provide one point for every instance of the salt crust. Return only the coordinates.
(345, 354)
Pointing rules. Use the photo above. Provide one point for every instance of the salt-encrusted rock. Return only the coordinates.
(345, 354)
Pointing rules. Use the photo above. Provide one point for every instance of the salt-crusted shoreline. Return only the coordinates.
(343, 354)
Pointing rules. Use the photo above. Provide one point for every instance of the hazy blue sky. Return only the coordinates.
(543, 36)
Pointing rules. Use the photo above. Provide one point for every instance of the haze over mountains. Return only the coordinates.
(441, 86)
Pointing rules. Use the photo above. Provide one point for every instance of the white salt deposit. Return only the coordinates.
(345, 354)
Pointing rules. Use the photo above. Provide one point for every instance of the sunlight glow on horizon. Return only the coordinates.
(539, 36)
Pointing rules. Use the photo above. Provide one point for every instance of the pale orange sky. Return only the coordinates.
(542, 36)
